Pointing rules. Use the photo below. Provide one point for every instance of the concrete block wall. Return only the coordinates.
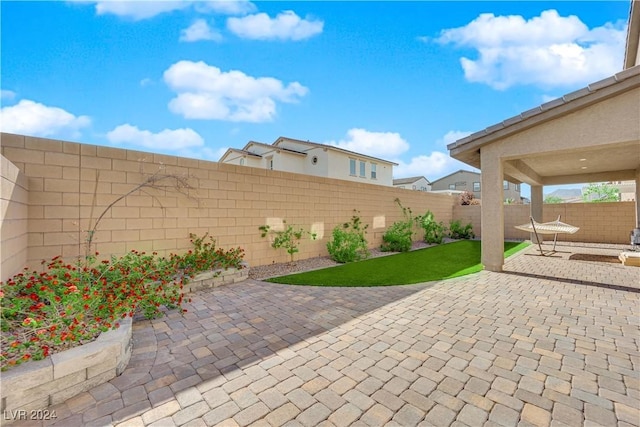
(598, 222)
(14, 196)
(71, 184)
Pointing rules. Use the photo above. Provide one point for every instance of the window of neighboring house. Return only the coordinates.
(423, 188)
(374, 171)
(452, 186)
(476, 186)
(505, 185)
(413, 187)
(270, 163)
(517, 187)
(352, 167)
(241, 162)
(363, 172)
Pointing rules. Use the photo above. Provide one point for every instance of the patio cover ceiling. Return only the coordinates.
(589, 135)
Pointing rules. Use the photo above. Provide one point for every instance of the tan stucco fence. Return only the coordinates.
(53, 191)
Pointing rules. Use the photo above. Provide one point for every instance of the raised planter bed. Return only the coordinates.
(28, 389)
(215, 278)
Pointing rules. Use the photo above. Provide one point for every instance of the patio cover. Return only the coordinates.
(590, 135)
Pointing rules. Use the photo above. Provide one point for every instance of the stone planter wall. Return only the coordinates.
(39, 384)
(215, 278)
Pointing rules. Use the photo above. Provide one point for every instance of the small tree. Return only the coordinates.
(596, 193)
(289, 238)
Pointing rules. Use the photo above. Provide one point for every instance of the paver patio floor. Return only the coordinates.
(551, 341)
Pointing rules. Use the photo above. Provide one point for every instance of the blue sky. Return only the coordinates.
(396, 80)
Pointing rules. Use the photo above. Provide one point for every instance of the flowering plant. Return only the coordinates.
(68, 304)
(204, 256)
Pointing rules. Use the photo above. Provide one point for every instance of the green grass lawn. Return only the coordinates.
(422, 265)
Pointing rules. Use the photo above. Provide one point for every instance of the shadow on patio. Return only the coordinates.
(588, 264)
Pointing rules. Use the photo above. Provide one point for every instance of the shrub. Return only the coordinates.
(204, 256)
(466, 198)
(398, 237)
(348, 242)
(433, 231)
(289, 238)
(458, 231)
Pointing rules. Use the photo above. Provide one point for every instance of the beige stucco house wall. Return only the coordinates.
(463, 180)
(310, 158)
(417, 183)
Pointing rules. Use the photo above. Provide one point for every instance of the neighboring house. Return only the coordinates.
(310, 158)
(463, 180)
(418, 183)
(627, 190)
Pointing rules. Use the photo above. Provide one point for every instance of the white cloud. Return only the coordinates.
(139, 9)
(385, 145)
(173, 140)
(32, 118)
(452, 136)
(206, 92)
(7, 94)
(226, 7)
(286, 25)
(548, 50)
(199, 30)
(146, 82)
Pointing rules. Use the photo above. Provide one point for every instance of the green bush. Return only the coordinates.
(458, 231)
(398, 237)
(348, 242)
(434, 231)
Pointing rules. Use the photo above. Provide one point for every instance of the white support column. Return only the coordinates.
(492, 210)
(536, 208)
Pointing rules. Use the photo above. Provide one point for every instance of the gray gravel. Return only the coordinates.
(281, 269)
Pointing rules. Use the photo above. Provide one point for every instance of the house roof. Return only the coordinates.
(273, 147)
(611, 86)
(330, 147)
(410, 180)
(455, 173)
(235, 150)
(633, 35)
